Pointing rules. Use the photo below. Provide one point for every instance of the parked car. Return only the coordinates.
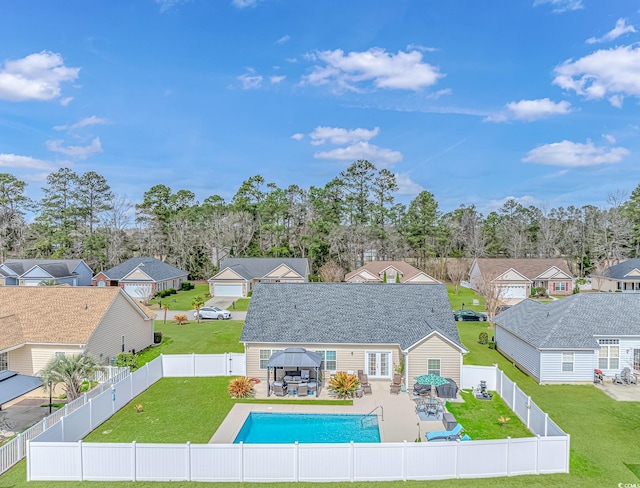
(502, 308)
(212, 313)
(469, 315)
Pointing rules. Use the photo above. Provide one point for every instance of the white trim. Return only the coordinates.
(378, 351)
(459, 348)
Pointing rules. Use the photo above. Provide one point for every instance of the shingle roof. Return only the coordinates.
(155, 268)
(531, 268)
(377, 267)
(572, 322)
(58, 268)
(619, 271)
(250, 268)
(54, 314)
(335, 313)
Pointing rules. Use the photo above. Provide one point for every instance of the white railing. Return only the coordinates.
(59, 454)
(109, 373)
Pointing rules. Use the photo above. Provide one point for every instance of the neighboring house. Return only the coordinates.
(238, 276)
(142, 277)
(565, 340)
(368, 327)
(377, 271)
(624, 277)
(38, 323)
(515, 277)
(32, 272)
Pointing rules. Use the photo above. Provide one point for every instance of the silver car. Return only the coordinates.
(212, 313)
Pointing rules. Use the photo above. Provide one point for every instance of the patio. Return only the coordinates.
(400, 419)
(620, 393)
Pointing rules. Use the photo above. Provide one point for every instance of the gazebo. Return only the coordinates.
(293, 358)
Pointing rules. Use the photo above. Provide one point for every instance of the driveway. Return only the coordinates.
(22, 415)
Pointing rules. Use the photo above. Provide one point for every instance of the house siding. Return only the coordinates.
(121, 319)
(551, 367)
(435, 348)
(84, 274)
(30, 359)
(349, 357)
(514, 348)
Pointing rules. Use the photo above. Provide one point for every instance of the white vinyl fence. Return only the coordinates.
(59, 453)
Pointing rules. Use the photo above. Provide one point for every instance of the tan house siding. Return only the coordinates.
(30, 359)
(435, 347)
(349, 357)
(121, 319)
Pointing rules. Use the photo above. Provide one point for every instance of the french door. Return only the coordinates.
(379, 364)
(636, 359)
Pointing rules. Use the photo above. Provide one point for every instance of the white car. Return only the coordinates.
(212, 313)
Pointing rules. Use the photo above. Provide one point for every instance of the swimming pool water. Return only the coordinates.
(287, 428)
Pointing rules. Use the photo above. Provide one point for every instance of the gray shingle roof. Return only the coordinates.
(250, 268)
(346, 313)
(155, 268)
(58, 268)
(619, 271)
(573, 321)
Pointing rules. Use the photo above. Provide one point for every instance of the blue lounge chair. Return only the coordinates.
(443, 435)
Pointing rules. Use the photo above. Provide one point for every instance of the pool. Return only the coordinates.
(287, 428)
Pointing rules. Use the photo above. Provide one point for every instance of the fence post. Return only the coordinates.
(528, 412)
(501, 382)
(20, 450)
(188, 461)
(513, 401)
(508, 456)
(91, 413)
(568, 457)
(29, 460)
(84, 401)
(227, 364)
(296, 460)
(193, 364)
(80, 456)
(537, 453)
(62, 429)
(404, 460)
(113, 399)
(241, 461)
(133, 461)
(546, 422)
(458, 458)
(161, 366)
(146, 373)
(352, 459)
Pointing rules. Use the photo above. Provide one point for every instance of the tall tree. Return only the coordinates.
(420, 226)
(13, 205)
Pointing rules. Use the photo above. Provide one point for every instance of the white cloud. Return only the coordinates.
(250, 81)
(86, 122)
(575, 154)
(244, 3)
(25, 162)
(283, 39)
(297, 136)
(525, 201)
(620, 29)
(612, 73)
(169, 4)
(439, 93)
(609, 138)
(406, 186)
(424, 49)
(379, 156)
(277, 79)
(76, 152)
(338, 135)
(529, 110)
(560, 6)
(401, 71)
(35, 77)
(66, 101)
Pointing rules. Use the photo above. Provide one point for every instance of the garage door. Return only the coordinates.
(138, 291)
(514, 291)
(227, 291)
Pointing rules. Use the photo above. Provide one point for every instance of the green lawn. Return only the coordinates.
(466, 296)
(241, 304)
(181, 300)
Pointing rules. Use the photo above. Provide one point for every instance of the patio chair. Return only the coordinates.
(443, 435)
(304, 375)
(395, 389)
(628, 377)
(279, 390)
(303, 390)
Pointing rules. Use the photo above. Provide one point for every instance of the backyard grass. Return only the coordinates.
(181, 300)
(466, 296)
(241, 304)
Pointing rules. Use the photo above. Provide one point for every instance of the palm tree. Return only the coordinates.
(197, 303)
(48, 283)
(71, 371)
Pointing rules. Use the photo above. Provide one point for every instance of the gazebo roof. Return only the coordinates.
(295, 357)
(13, 385)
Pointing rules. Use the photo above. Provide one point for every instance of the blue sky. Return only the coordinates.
(474, 101)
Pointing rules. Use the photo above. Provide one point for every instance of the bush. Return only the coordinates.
(172, 291)
(187, 285)
(126, 359)
(241, 387)
(483, 338)
(344, 385)
(249, 293)
(181, 319)
(157, 337)
(576, 290)
(492, 345)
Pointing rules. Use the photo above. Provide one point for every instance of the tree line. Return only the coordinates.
(352, 218)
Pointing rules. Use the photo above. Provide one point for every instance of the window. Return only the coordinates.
(563, 286)
(4, 361)
(102, 283)
(265, 355)
(329, 360)
(609, 354)
(567, 362)
(433, 366)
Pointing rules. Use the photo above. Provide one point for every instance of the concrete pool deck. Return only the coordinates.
(400, 419)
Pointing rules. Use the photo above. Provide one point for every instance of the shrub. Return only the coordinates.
(249, 293)
(483, 338)
(492, 345)
(187, 285)
(576, 290)
(241, 387)
(172, 291)
(126, 359)
(157, 337)
(181, 319)
(344, 385)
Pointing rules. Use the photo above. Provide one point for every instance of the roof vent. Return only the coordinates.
(86, 306)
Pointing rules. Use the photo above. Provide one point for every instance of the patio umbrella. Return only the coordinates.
(431, 379)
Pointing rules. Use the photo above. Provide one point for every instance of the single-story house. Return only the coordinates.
(238, 276)
(624, 277)
(369, 327)
(38, 323)
(389, 272)
(515, 277)
(565, 340)
(142, 277)
(32, 272)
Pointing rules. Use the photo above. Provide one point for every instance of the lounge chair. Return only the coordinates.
(628, 377)
(279, 390)
(444, 435)
(396, 385)
(365, 385)
(303, 390)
